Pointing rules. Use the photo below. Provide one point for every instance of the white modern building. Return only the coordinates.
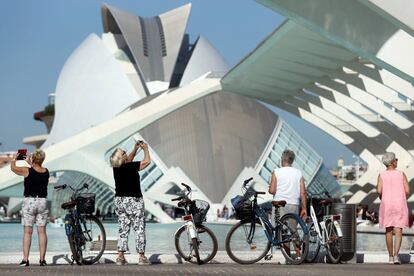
(144, 79)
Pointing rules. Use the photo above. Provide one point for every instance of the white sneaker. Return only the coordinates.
(397, 260)
(391, 260)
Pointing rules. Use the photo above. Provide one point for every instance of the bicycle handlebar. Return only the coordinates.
(177, 198)
(75, 191)
(186, 186)
(247, 181)
(182, 192)
(60, 187)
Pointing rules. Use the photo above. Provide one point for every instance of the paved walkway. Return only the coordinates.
(61, 258)
(213, 269)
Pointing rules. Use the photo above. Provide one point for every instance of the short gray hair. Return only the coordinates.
(38, 156)
(288, 156)
(117, 158)
(387, 158)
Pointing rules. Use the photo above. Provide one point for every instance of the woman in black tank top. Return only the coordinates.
(34, 208)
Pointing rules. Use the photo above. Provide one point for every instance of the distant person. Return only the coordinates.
(411, 220)
(358, 211)
(225, 212)
(34, 208)
(370, 215)
(364, 212)
(129, 202)
(393, 190)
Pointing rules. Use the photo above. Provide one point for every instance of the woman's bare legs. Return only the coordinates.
(388, 239)
(27, 241)
(41, 233)
(398, 238)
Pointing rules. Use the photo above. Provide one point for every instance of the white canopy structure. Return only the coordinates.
(347, 67)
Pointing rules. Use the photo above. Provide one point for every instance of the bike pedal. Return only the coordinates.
(268, 257)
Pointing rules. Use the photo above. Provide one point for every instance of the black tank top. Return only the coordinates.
(35, 184)
(127, 180)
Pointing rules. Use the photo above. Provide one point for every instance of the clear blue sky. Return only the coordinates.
(36, 37)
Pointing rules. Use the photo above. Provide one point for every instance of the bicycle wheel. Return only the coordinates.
(75, 249)
(194, 242)
(93, 238)
(246, 242)
(185, 246)
(314, 243)
(207, 244)
(294, 243)
(334, 245)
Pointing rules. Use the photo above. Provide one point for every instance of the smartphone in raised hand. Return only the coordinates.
(22, 154)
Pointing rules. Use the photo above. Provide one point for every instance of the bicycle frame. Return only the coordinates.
(190, 227)
(321, 226)
(270, 230)
(78, 222)
(188, 218)
(74, 227)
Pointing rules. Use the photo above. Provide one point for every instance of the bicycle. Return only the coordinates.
(85, 232)
(193, 239)
(245, 245)
(325, 232)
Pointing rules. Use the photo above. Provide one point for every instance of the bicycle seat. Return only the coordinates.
(279, 203)
(184, 202)
(68, 205)
(324, 202)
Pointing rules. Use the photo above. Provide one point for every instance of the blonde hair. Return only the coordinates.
(38, 156)
(117, 158)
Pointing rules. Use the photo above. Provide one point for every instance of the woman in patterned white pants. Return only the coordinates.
(129, 202)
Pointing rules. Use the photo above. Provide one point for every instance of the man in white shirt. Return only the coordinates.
(287, 184)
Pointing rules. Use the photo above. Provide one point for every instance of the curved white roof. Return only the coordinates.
(198, 64)
(91, 89)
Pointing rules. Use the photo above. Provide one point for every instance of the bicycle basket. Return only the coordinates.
(85, 203)
(199, 209)
(242, 206)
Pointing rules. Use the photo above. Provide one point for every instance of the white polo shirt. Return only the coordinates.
(288, 185)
